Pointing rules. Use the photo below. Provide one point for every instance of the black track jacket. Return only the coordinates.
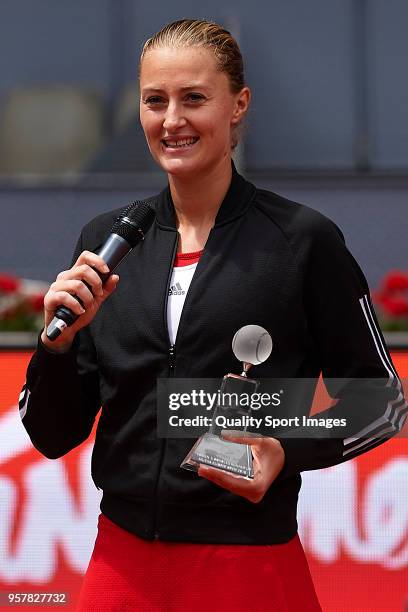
(268, 261)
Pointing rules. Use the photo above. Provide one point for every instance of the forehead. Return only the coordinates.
(180, 67)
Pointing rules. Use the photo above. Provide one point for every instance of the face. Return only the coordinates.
(187, 110)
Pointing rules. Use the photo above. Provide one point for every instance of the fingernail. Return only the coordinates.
(105, 268)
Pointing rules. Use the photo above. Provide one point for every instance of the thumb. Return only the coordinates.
(110, 285)
(241, 437)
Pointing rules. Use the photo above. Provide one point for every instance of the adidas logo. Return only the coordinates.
(176, 290)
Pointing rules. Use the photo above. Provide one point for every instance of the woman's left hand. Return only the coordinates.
(269, 458)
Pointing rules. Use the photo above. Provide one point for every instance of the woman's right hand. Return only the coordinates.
(70, 283)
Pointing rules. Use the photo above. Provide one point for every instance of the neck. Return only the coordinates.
(197, 201)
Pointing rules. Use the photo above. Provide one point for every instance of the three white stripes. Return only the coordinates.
(400, 406)
(23, 401)
(388, 423)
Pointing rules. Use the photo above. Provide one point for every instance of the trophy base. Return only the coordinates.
(224, 455)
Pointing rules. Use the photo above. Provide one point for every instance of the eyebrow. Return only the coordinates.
(186, 88)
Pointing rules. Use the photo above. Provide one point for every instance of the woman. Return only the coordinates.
(167, 539)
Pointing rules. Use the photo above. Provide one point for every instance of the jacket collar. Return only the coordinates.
(237, 199)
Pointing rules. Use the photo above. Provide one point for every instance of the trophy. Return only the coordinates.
(252, 345)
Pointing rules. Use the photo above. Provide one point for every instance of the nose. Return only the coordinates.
(174, 117)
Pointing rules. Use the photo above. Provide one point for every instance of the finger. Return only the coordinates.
(75, 287)
(224, 479)
(85, 273)
(62, 298)
(233, 483)
(93, 260)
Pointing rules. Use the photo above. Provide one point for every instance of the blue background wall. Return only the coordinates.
(328, 76)
(40, 227)
(330, 94)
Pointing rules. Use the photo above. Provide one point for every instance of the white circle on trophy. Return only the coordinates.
(252, 344)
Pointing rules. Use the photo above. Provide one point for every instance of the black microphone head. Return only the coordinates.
(134, 222)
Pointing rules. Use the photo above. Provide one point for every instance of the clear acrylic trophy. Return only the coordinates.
(252, 345)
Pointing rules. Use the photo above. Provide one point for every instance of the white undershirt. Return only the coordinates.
(180, 282)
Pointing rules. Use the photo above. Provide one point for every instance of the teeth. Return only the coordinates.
(180, 143)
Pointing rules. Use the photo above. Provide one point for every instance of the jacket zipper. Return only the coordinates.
(171, 364)
(172, 359)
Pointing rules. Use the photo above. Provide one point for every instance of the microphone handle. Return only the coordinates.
(112, 252)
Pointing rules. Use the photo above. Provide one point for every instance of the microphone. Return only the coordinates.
(128, 230)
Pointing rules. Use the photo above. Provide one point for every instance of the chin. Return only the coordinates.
(180, 167)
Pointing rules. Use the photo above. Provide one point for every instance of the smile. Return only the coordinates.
(182, 143)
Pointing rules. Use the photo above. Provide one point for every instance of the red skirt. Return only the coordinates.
(129, 574)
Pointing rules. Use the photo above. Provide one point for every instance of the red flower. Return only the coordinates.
(396, 281)
(393, 295)
(394, 306)
(8, 283)
(37, 302)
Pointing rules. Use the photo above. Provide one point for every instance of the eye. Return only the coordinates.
(153, 100)
(195, 97)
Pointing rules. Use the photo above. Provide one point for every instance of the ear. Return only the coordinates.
(241, 105)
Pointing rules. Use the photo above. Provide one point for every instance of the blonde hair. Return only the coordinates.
(202, 33)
